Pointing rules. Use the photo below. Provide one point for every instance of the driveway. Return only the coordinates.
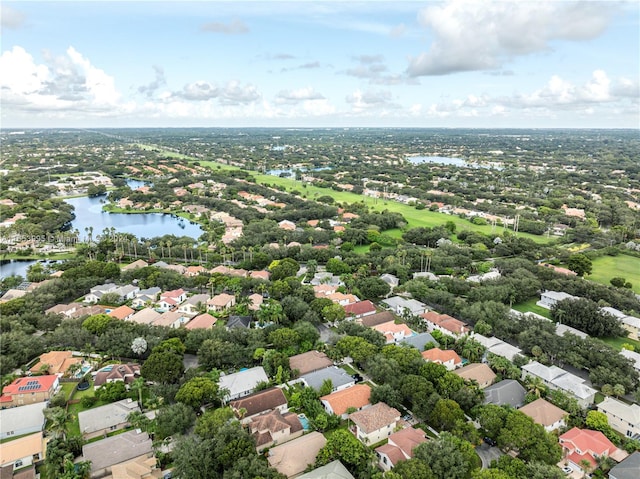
(488, 454)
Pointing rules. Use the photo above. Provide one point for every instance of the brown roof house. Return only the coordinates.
(274, 427)
(23, 452)
(138, 468)
(447, 357)
(309, 362)
(272, 399)
(400, 447)
(221, 301)
(293, 457)
(376, 319)
(340, 402)
(202, 321)
(375, 423)
(123, 312)
(116, 372)
(55, 362)
(478, 372)
(546, 414)
(29, 390)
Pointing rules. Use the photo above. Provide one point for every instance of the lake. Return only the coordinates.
(15, 266)
(89, 213)
(444, 160)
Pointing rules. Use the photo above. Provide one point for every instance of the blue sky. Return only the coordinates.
(457, 63)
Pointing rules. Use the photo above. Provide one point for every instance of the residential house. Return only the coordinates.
(425, 274)
(55, 362)
(548, 299)
(360, 309)
(333, 470)
(419, 341)
(633, 356)
(557, 378)
(140, 263)
(287, 225)
(497, 346)
(627, 469)
(632, 325)
(293, 457)
(401, 306)
(118, 449)
(177, 295)
(586, 445)
(139, 468)
(127, 292)
(126, 373)
(343, 299)
(171, 319)
(376, 319)
(122, 313)
(478, 372)
(391, 280)
(324, 290)
(145, 316)
(274, 427)
(263, 275)
(506, 392)
(193, 304)
(272, 399)
(23, 452)
(448, 357)
(29, 390)
(339, 378)
(242, 383)
(340, 402)
(18, 421)
(394, 332)
(399, 447)
(480, 278)
(255, 301)
(375, 423)
(98, 291)
(549, 416)
(238, 322)
(202, 321)
(63, 309)
(445, 324)
(624, 418)
(327, 279)
(152, 292)
(562, 329)
(309, 362)
(103, 420)
(221, 302)
(193, 271)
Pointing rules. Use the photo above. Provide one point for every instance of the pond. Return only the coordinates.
(89, 213)
(16, 267)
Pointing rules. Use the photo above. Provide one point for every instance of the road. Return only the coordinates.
(487, 454)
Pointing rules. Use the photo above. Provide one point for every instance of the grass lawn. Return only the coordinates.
(532, 307)
(348, 369)
(607, 267)
(617, 343)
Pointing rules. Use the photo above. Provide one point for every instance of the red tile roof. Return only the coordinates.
(33, 384)
(437, 355)
(360, 308)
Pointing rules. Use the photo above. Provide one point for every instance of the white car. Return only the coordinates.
(567, 470)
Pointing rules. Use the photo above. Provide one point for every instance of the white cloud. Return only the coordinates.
(198, 91)
(11, 18)
(100, 86)
(471, 35)
(368, 100)
(297, 96)
(235, 27)
(160, 80)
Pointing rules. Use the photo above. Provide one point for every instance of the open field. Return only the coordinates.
(607, 267)
(617, 343)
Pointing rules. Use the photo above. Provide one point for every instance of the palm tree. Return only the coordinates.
(585, 465)
(536, 386)
(57, 418)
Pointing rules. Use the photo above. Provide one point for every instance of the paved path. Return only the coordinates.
(487, 454)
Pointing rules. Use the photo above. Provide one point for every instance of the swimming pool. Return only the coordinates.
(304, 421)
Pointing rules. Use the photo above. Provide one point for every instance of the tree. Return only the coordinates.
(411, 469)
(284, 338)
(111, 392)
(139, 346)
(344, 446)
(197, 392)
(587, 316)
(57, 418)
(445, 414)
(270, 312)
(492, 418)
(97, 323)
(598, 421)
(284, 268)
(447, 457)
(618, 390)
(580, 264)
(333, 313)
(210, 422)
(174, 419)
(163, 366)
(372, 288)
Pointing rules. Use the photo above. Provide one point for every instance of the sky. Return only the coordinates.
(452, 63)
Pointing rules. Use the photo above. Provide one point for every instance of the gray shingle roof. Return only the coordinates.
(505, 392)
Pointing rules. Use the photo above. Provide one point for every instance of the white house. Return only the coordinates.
(242, 383)
(622, 417)
(548, 299)
(557, 378)
(375, 423)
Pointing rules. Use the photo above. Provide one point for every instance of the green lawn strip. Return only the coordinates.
(361, 249)
(617, 343)
(625, 266)
(531, 306)
(348, 369)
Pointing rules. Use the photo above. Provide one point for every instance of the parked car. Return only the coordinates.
(567, 470)
(490, 441)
